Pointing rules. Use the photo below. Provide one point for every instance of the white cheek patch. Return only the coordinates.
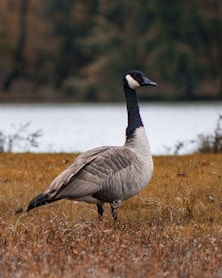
(133, 84)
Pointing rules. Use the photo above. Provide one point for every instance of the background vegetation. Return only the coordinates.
(79, 49)
(171, 229)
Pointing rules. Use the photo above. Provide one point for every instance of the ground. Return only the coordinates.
(170, 229)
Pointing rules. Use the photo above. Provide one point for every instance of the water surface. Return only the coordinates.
(79, 127)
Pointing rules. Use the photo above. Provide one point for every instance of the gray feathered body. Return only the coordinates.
(106, 174)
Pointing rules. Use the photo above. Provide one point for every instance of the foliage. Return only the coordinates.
(72, 49)
(20, 138)
(171, 229)
(210, 143)
(213, 142)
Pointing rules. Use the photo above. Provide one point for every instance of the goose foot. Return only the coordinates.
(114, 207)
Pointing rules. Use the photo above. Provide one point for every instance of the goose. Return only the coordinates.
(108, 174)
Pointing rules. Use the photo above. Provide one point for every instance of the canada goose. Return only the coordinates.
(108, 174)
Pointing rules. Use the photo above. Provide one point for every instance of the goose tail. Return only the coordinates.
(39, 200)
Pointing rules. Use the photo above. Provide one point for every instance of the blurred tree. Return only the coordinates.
(18, 55)
(181, 40)
(116, 43)
(211, 13)
(71, 20)
(80, 48)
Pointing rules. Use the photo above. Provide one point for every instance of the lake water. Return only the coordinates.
(79, 127)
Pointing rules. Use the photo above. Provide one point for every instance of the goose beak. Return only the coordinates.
(147, 82)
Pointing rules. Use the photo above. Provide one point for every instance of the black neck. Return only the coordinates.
(134, 119)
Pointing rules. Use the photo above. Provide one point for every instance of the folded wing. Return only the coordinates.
(90, 172)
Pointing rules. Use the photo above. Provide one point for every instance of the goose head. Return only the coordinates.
(134, 79)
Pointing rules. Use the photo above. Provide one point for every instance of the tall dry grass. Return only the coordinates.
(173, 228)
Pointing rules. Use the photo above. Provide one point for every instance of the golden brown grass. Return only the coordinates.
(171, 229)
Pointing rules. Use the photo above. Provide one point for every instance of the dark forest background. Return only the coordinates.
(78, 50)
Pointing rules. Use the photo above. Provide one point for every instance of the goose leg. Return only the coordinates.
(114, 206)
(100, 211)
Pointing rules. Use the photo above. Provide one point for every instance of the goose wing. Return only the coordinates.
(89, 172)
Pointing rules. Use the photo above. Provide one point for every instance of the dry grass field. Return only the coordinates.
(173, 228)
